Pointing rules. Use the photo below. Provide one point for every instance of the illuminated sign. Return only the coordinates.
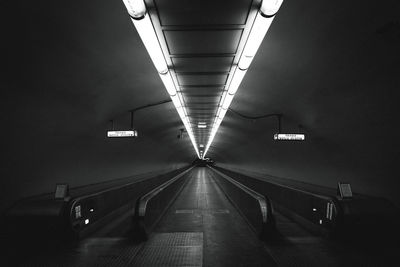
(344, 190)
(202, 125)
(329, 210)
(297, 137)
(62, 191)
(78, 213)
(131, 133)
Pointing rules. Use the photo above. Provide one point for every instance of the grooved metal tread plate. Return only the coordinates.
(92, 252)
(171, 249)
(106, 252)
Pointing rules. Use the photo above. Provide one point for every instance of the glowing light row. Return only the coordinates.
(261, 24)
(146, 31)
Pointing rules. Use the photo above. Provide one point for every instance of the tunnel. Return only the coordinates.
(200, 133)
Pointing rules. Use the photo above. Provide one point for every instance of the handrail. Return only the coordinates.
(116, 187)
(334, 201)
(49, 195)
(295, 189)
(259, 197)
(142, 177)
(147, 197)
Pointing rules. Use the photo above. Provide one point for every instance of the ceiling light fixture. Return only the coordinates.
(144, 27)
(261, 24)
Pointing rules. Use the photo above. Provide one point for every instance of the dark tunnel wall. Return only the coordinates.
(66, 71)
(334, 69)
(68, 68)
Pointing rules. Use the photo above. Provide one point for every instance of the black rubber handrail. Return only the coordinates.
(75, 200)
(327, 198)
(262, 200)
(142, 202)
(336, 205)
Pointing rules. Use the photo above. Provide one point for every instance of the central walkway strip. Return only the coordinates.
(202, 228)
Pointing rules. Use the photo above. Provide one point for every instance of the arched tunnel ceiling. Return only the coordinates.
(79, 69)
(332, 67)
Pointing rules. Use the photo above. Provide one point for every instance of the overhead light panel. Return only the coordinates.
(136, 8)
(148, 35)
(168, 83)
(236, 80)
(261, 24)
(227, 101)
(270, 7)
(145, 28)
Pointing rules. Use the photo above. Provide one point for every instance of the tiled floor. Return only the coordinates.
(171, 249)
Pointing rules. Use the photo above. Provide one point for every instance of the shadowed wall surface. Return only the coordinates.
(332, 69)
(65, 73)
(68, 69)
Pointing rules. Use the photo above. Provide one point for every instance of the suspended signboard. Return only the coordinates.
(131, 133)
(296, 137)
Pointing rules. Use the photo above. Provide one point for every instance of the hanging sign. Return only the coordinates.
(131, 133)
(296, 137)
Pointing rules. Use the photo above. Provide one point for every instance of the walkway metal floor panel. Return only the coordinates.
(203, 207)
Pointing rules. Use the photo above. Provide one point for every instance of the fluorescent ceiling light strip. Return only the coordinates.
(256, 36)
(270, 7)
(194, 145)
(136, 8)
(177, 103)
(168, 83)
(146, 31)
(214, 129)
(218, 111)
(226, 103)
(236, 80)
(180, 97)
(148, 35)
(261, 24)
(222, 114)
(259, 29)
